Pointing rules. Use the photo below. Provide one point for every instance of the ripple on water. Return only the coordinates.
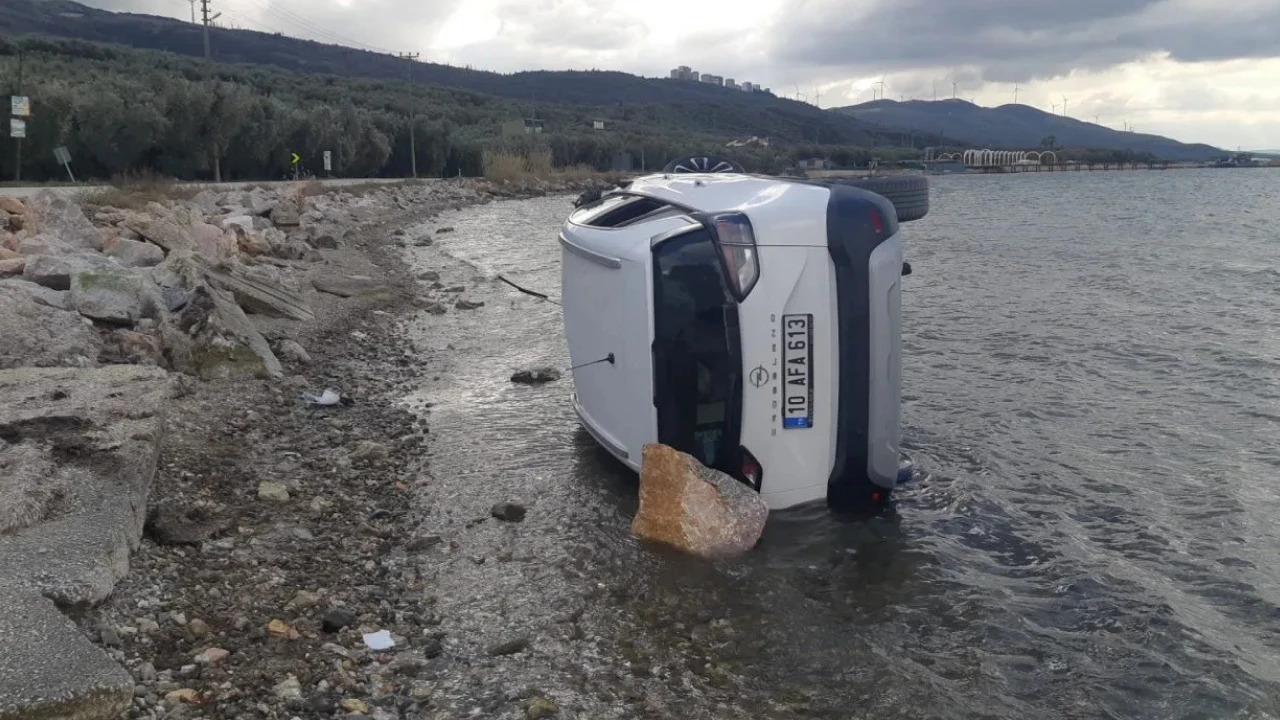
(1090, 391)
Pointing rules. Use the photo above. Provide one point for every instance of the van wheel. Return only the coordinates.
(702, 164)
(908, 193)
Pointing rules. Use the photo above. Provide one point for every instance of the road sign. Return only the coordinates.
(17, 128)
(296, 158)
(328, 160)
(20, 105)
(61, 154)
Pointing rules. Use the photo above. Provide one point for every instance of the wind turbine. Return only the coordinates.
(1064, 106)
(953, 89)
(1015, 93)
(1055, 108)
(935, 91)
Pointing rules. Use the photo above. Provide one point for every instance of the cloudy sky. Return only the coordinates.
(1196, 70)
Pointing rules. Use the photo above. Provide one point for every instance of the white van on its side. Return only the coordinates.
(750, 321)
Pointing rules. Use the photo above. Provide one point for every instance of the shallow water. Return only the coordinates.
(1092, 395)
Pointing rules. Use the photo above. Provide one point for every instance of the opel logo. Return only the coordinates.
(759, 376)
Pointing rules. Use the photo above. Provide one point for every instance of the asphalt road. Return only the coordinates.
(26, 191)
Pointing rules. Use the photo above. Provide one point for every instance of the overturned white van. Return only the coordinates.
(750, 321)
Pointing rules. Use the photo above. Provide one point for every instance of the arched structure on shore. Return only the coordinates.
(1000, 158)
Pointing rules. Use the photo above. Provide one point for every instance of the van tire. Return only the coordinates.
(908, 193)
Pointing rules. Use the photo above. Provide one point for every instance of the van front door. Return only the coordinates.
(696, 352)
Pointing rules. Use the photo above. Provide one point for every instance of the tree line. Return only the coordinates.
(121, 110)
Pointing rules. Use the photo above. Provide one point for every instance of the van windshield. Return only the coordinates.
(697, 352)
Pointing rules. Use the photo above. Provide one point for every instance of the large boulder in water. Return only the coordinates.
(693, 508)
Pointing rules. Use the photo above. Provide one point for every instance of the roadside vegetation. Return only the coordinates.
(121, 111)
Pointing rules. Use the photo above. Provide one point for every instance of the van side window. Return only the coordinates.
(697, 351)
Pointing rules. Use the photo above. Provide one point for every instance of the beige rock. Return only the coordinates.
(250, 242)
(12, 205)
(7, 254)
(12, 266)
(693, 508)
(214, 243)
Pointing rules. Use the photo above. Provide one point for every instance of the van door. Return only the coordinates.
(697, 352)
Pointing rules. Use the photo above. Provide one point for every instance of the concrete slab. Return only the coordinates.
(79, 446)
(49, 670)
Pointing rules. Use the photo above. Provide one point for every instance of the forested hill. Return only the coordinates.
(1019, 127)
(693, 107)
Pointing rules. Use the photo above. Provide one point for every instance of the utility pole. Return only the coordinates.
(413, 147)
(17, 142)
(206, 20)
(193, 12)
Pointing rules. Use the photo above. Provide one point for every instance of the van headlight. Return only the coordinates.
(737, 243)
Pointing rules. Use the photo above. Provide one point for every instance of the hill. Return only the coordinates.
(687, 106)
(1018, 127)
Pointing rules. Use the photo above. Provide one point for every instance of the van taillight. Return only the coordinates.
(751, 470)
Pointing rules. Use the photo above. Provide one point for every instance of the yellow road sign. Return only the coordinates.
(295, 158)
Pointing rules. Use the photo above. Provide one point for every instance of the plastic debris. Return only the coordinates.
(380, 640)
(328, 397)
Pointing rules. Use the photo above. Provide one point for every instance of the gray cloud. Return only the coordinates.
(1021, 40)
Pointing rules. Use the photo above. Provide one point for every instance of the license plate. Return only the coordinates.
(797, 371)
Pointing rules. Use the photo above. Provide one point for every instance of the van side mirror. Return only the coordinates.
(906, 268)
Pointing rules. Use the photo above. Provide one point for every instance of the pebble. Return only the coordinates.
(508, 512)
(540, 708)
(355, 706)
(268, 490)
(422, 542)
(371, 451)
(289, 689)
(180, 696)
(509, 647)
(212, 656)
(336, 619)
(110, 637)
(147, 672)
(198, 627)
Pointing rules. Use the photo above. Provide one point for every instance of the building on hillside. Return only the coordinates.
(813, 164)
(710, 79)
(748, 86)
(526, 126)
(684, 72)
(729, 83)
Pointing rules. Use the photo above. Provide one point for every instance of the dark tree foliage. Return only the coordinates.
(121, 110)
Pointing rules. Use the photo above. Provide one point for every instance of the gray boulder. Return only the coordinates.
(56, 271)
(114, 296)
(38, 335)
(39, 294)
(133, 253)
(59, 216)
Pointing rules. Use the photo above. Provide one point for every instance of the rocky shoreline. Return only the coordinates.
(279, 549)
